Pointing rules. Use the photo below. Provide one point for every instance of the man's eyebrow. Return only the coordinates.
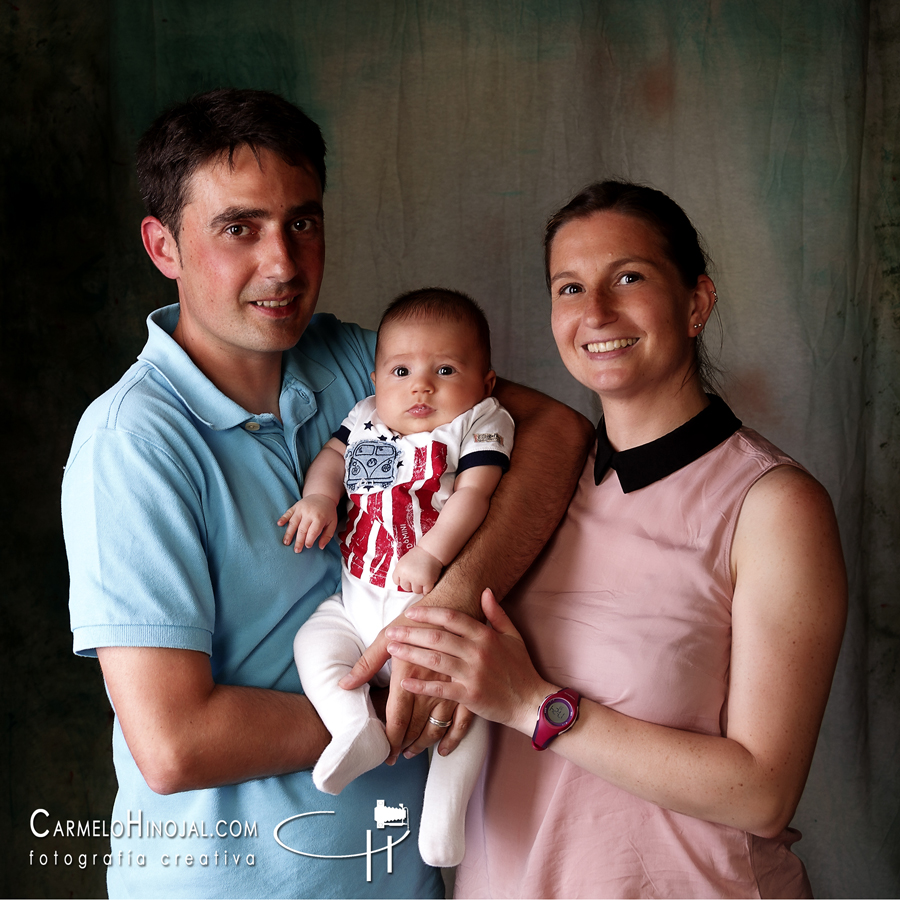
(559, 275)
(237, 213)
(310, 208)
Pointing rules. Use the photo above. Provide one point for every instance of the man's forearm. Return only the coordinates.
(186, 733)
(552, 443)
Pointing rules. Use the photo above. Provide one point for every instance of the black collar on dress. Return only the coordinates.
(648, 463)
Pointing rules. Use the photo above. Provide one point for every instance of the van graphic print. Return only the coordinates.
(372, 465)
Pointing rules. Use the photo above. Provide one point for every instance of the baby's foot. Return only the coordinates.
(349, 755)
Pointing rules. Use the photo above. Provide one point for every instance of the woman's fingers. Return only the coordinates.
(449, 619)
(443, 690)
(420, 651)
(442, 641)
(488, 667)
(493, 611)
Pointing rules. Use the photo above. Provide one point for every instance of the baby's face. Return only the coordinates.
(427, 372)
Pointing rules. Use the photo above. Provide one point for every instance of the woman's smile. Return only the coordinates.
(609, 346)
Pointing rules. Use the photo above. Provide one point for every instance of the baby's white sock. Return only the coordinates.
(451, 779)
(325, 650)
(349, 754)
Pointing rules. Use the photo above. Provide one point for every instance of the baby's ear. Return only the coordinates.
(489, 381)
(372, 376)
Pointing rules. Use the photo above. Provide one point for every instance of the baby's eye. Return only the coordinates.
(446, 370)
(400, 371)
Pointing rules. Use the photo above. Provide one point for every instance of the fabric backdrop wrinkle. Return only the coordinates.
(454, 130)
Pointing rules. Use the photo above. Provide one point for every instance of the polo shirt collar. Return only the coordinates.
(644, 465)
(199, 394)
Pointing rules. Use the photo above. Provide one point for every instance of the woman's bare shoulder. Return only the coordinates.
(787, 528)
(786, 490)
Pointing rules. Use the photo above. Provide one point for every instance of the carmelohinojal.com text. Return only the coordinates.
(136, 828)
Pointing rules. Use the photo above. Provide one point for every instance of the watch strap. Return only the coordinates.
(546, 731)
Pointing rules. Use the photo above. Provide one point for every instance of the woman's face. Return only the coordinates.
(621, 315)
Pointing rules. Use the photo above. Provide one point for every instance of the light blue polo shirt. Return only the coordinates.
(170, 498)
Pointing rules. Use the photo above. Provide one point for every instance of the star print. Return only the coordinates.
(382, 437)
(396, 437)
(368, 425)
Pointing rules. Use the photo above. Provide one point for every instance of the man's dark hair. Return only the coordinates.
(441, 303)
(213, 125)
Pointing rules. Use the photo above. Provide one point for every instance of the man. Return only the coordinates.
(179, 582)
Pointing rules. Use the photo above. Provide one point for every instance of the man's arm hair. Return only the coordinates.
(552, 443)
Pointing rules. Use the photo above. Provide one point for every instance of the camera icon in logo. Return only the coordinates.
(389, 815)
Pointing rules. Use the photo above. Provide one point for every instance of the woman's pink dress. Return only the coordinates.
(630, 604)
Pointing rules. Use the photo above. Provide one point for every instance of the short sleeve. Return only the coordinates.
(132, 584)
(361, 410)
(489, 439)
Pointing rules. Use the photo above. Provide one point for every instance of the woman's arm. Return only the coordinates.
(788, 619)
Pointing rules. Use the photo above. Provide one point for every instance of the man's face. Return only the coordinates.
(250, 257)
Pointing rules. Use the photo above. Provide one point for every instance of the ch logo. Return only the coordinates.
(385, 816)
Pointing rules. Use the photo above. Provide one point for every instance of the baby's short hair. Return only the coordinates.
(441, 303)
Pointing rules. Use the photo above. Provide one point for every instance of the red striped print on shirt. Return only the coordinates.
(428, 514)
(355, 538)
(384, 550)
(397, 535)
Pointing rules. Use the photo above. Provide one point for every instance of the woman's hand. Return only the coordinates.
(406, 717)
(489, 668)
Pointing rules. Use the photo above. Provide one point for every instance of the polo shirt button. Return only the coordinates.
(252, 426)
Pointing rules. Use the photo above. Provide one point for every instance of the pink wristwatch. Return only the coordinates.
(556, 714)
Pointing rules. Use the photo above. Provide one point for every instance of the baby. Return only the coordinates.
(419, 461)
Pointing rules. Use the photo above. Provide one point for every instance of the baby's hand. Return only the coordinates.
(417, 571)
(308, 518)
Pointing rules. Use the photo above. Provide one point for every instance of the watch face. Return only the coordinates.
(558, 712)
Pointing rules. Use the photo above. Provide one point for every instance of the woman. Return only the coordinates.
(692, 602)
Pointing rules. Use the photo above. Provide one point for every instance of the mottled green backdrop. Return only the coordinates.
(454, 129)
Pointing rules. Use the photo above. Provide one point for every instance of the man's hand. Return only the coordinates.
(417, 571)
(307, 519)
(407, 722)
